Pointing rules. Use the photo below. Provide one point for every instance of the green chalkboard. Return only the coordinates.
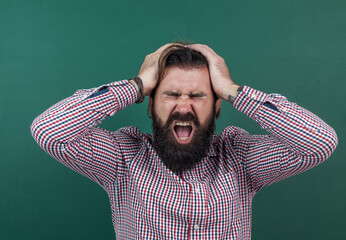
(51, 48)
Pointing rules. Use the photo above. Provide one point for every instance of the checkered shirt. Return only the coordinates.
(213, 200)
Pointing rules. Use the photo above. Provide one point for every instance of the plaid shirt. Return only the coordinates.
(213, 200)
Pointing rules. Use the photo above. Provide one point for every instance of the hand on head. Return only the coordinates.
(150, 68)
(220, 78)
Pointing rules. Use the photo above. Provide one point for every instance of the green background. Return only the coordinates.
(50, 49)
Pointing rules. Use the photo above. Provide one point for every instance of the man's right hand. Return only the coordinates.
(149, 72)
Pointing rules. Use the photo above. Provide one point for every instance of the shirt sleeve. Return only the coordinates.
(68, 130)
(298, 140)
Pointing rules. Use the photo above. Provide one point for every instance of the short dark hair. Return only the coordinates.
(179, 55)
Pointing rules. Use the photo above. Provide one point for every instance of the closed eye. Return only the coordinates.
(172, 94)
(197, 95)
(191, 95)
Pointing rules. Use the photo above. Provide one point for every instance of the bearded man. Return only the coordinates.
(183, 181)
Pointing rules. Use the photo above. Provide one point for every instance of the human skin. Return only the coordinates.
(221, 81)
(187, 90)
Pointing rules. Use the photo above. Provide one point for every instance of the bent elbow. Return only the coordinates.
(40, 132)
(327, 146)
(35, 130)
(333, 141)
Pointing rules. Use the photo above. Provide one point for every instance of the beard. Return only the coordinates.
(182, 157)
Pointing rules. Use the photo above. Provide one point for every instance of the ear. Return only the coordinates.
(217, 107)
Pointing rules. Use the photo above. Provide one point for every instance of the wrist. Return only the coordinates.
(134, 84)
(138, 84)
(146, 83)
(231, 92)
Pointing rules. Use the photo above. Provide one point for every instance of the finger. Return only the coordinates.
(205, 50)
(163, 47)
(202, 47)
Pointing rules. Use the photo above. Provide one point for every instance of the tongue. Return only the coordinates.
(183, 131)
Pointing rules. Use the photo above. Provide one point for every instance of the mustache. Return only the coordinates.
(183, 117)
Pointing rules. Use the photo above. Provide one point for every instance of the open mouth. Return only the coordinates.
(183, 131)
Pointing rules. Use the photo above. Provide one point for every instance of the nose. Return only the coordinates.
(184, 105)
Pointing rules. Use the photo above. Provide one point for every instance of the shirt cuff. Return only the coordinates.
(124, 92)
(249, 100)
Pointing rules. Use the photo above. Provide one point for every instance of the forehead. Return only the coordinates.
(185, 80)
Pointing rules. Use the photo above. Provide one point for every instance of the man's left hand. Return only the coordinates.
(221, 81)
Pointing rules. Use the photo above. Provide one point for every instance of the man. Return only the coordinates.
(183, 181)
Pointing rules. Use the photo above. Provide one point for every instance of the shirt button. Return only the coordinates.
(284, 109)
(197, 190)
(196, 227)
(253, 96)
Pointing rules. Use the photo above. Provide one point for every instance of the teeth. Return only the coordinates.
(183, 138)
(183, 124)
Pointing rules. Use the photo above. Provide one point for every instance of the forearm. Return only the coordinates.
(72, 117)
(231, 91)
(299, 129)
